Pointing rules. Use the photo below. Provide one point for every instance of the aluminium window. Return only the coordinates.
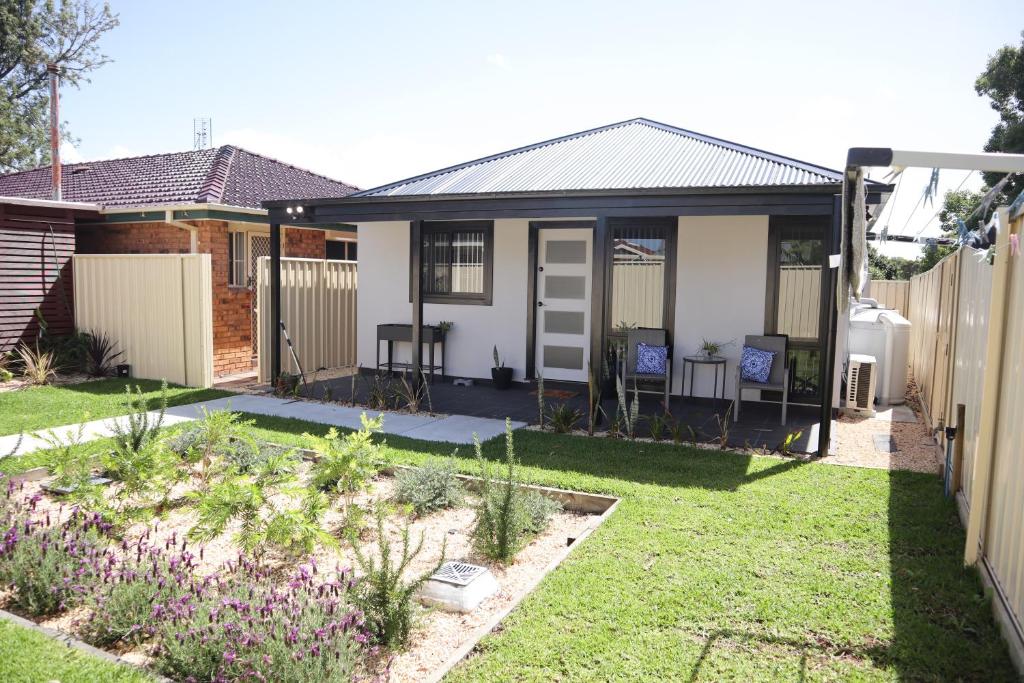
(458, 262)
(237, 262)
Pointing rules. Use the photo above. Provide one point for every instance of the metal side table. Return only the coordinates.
(702, 359)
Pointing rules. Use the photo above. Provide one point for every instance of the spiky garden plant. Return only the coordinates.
(137, 429)
(37, 367)
(383, 595)
(99, 354)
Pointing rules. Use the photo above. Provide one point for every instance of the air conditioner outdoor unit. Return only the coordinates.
(860, 384)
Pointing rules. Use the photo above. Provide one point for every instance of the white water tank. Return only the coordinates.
(884, 334)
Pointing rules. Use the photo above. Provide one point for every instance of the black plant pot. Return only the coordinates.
(502, 377)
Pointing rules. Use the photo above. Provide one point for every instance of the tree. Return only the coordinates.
(32, 35)
(961, 204)
(1003, 83)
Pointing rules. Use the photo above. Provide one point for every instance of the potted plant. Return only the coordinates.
(500, 375)
(710, 348)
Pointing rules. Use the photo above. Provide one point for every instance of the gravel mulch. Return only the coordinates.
(915, 449)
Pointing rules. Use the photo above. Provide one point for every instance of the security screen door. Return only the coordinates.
(564, 274)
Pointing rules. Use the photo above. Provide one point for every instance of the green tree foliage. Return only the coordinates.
(1003, 83)
(33, 34)
(961, 204)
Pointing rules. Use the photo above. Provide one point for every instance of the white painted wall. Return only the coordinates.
(720, 290)
(384, 298)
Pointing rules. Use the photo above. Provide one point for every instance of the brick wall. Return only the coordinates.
(304, 243)
(232, 306)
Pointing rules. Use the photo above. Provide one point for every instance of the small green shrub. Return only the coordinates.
(37, 366)
(206, 444)
(432, 486)
(383, 595)
(248, 499)
(657, 424)
(538, 511)
(506, 513)
(346, 463)
(138, 428)
(564, 418)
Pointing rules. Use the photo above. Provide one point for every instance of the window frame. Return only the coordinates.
(777, 225)
(450, 227)
(234, 258)
(669, 228)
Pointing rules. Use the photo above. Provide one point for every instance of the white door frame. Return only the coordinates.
(573, 308)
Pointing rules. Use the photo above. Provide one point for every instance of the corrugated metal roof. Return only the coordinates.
(632, 155)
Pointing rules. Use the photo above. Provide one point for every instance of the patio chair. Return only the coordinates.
(778, 379)
(651, 337)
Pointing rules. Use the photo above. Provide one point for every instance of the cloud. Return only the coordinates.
(69, 154)
(499, 60)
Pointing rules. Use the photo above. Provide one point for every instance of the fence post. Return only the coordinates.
(977, 521)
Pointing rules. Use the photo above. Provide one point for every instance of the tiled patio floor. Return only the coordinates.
(758, 427)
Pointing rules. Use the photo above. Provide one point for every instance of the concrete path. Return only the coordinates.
(458, 429)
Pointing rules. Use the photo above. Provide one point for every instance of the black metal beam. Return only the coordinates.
(416, 274)
(275, 302)
(868, 156)
(599, 290)
(554, 205)
(829, 361)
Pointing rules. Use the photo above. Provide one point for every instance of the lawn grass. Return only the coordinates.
(30, 657)
(718, 566)
(51, 406)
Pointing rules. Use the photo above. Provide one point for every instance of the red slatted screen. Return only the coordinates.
(36, 245)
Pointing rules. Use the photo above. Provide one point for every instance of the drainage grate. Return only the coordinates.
(458, 573)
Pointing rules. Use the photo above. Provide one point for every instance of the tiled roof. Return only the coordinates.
(222, 175)
(632, 155)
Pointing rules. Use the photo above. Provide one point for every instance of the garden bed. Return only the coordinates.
(439, 639)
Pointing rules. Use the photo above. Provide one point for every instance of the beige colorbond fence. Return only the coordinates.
(799, 301)
(638, 290)
(318, 306)
(894, 294)
(158, 308)
(967, 347)
(933, 298)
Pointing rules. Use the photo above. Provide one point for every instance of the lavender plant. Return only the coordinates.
(127, 605)
(49, 566)
(247, 624)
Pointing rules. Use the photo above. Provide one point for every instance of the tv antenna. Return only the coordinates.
(202, 133)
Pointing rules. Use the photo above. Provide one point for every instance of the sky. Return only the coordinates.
(374, 92)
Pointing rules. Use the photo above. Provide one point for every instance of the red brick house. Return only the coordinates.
(201, 201)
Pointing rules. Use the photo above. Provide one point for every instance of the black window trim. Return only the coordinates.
(487, 227)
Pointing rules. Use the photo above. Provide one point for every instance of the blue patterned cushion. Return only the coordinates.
(651, 360)
(756, 364)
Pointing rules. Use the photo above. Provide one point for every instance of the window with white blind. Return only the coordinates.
(237, 263)
(458, 259)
